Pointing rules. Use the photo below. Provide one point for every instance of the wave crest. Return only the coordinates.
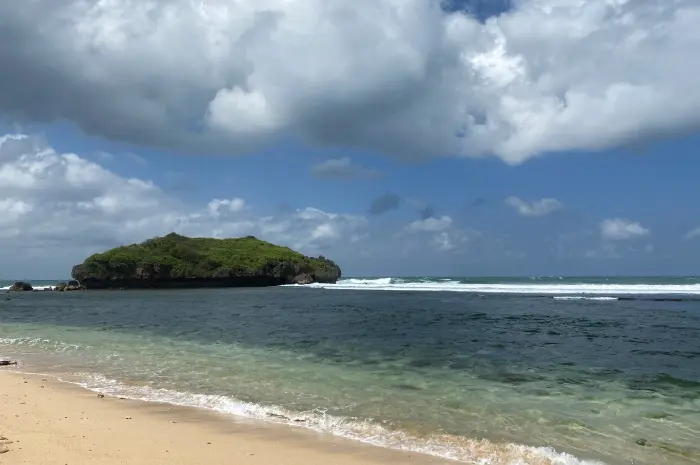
(535, 288)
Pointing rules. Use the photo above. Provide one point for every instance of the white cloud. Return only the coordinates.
(343, 168)
(431, 224)
(396, 76)
(56, 204)
(440, 232)
(217, 206)
(454, 239)
(313, 228)
(542, 207)
(619, 229)
(443, 241)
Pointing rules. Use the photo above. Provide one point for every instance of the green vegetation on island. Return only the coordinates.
(179, 261)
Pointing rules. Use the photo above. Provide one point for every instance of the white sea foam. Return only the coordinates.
(560, 289)
(56, 346)
(36, 288)
(367, 282)
(475, 451)
(578, 297)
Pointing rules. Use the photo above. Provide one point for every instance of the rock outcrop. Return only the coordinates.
(69, 286)
(175, 261)
(74, 286)
(303, 279)
(21, 286)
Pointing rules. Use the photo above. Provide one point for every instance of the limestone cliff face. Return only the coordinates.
(175, 261)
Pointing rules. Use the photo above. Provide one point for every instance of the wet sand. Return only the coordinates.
(45, 421)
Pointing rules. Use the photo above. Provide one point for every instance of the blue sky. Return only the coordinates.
(515, 161)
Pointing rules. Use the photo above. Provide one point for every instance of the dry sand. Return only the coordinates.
(47, 422)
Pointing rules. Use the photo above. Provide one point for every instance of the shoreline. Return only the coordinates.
(319, 445)
(55, 422)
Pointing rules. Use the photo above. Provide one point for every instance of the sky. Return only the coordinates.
(397, 137)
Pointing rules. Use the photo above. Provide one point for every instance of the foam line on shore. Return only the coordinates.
(457, 448)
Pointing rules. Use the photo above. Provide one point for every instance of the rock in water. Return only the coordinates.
(303, 279)
(69, 286)
(74, 286)
(20, 286)
(175, 261)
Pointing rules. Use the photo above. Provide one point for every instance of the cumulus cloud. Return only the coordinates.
(52, 201)
(542, 207)
(217, 207)
(441, 234)
(343, 168)
(402, 77)
(619, 229)
(312, 228)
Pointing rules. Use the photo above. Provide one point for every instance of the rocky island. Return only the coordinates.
(176, 261)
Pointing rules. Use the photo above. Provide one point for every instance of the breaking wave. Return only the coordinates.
(457, 448)
(41, 343)
(562, 289)
(36, 288)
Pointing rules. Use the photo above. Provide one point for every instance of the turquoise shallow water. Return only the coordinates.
(512, 374)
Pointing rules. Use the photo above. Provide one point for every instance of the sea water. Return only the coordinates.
(486, 371)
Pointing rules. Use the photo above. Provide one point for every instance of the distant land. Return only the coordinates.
(175, 261)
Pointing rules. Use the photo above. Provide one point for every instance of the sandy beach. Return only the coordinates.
(45, 421)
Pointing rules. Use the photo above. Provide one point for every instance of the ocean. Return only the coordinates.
(480, 370)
